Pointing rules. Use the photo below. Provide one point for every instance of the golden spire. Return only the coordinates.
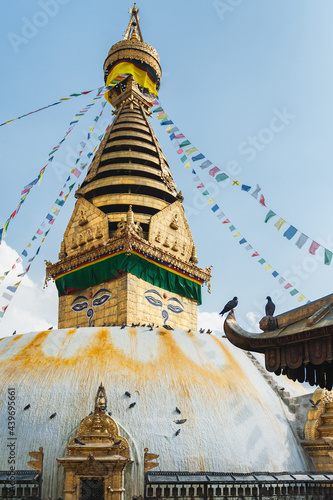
(134, 26)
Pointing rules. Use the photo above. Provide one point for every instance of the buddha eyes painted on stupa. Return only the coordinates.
(172, 304)
(82, 302)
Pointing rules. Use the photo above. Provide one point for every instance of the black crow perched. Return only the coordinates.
(133, 325)
(315, 404)
(132, 404)
(51, 328)
(53, 415)
(114, 324)
(128, 394)
(230, 306)
(270, 307)
(117, 443)
(26, 407)
(77, 441)
(182, 421)
(202, 330)
(144, 324)
(177, 432)
(123, 326)
(110, 413)
(14, 332)
(209, 331)
(178, 410)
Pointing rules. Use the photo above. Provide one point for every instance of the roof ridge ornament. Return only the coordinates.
(133, 31)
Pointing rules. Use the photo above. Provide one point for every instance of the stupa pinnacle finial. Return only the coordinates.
(133, 31)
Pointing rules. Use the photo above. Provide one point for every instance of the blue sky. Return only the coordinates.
(228, 67)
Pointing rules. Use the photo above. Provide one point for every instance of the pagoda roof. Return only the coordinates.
(297, 343)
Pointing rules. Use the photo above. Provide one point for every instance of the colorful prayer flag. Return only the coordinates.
(256, 192)
(255, 254)
(245, 188)
(328, 257)
(206, 164)
(7, 296)
(261, 261)
(214, 171)
(313, 247)
(262, 200)
(200, 156)
(290, 233)
(301, 240)
(221, 177)
(279, 223)
(191, 150)
(301, 298)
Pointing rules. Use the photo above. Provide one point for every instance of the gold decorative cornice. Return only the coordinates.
(128, 239)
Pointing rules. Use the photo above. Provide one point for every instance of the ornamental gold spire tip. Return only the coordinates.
(133, 31)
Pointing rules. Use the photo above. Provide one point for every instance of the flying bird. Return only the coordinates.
(110, 413)
(128, 394)
(53, 415)
(178, 410)
(315, 404)
(270, 307)
(77, 441)
(229, 306)
(14, 332)
(177, 432)
(26, 407)
(132, 404)
(182, 421)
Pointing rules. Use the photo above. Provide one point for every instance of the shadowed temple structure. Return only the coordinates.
(126, 400)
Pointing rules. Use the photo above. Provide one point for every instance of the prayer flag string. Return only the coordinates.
(83, 160)
(26, 190)
(216, 209)
(220, 176)
(63, 99)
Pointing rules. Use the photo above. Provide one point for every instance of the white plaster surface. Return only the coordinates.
(235, 421)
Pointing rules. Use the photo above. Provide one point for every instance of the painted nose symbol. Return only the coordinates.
(90, 313)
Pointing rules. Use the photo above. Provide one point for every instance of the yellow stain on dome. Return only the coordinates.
(100, 356)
